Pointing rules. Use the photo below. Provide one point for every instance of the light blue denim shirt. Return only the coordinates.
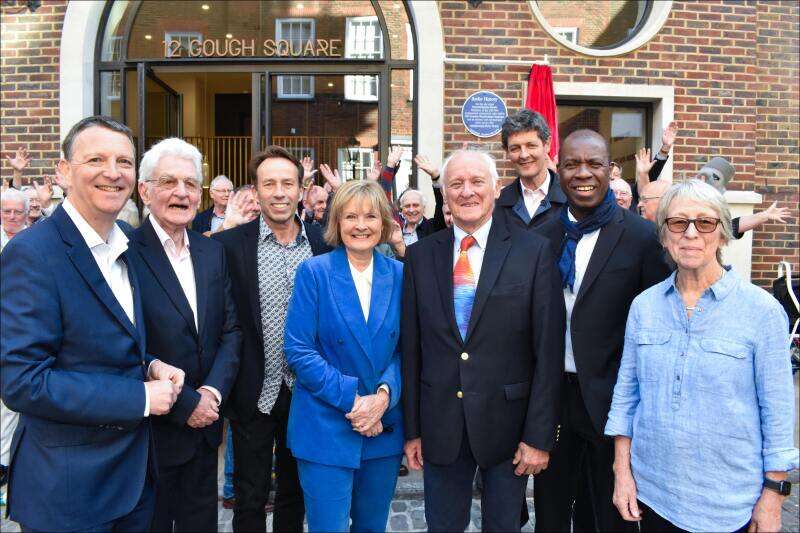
(708, 401)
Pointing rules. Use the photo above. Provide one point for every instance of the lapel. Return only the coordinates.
(249, 244)
(606, 242)
(382, 292)
(138, 309)
(346, 296)
(198, 251)
(443, 263)
(497, 246)
(156, 259)
(521, 211)
(85, 264)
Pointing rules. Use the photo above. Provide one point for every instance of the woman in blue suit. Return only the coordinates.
(342, 333)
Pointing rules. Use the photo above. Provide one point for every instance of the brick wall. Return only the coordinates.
(29, 53)
(734, 67)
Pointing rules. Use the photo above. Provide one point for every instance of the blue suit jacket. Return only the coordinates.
(335, 354)
(209, 357)
(73, 366)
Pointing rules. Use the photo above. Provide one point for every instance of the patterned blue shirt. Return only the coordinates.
(708, 401)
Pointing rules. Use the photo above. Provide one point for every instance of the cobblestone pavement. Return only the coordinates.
(408, 511)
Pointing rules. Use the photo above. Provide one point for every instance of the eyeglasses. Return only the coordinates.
(702, 225)
(223, 191)
(169, 183)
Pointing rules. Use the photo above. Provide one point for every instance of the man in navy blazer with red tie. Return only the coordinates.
(72, 352)
(482, 336)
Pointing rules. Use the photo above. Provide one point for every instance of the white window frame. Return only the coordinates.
(569, 33)
(282, 95)
(190, 36)
(354, 84)
(364, 164)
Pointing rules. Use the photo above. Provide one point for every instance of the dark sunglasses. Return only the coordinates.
(702, 225)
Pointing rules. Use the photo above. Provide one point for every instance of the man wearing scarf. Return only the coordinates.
(606, 256)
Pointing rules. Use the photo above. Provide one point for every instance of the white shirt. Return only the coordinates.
(114, 270)
(181, 264)
(533, 197)
(476, 251)
(583, 253)
(363, 283)
(184, 271)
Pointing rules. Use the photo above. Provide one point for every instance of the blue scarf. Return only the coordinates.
(601, 216)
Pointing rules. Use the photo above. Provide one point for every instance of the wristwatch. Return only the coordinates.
(784, 488)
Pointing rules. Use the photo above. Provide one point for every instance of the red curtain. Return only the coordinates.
(542, 98)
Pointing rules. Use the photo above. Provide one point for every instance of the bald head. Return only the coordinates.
(589, 136)
(649, 197)
(583, 168)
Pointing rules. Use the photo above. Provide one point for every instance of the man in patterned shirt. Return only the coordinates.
(263, 256)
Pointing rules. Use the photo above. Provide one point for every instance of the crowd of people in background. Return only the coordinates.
(576, 324)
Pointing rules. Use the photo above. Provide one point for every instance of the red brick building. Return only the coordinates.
(727, 72)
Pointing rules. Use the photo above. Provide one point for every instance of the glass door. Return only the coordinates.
(159, 110)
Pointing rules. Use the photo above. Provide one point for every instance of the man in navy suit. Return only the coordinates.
(191, 323)
(483, 332)
(72, 351)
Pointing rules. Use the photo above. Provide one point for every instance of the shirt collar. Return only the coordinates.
(366, 275)
(164, 238)
(117, 240)
(720, 289)
(544, 187)
(481, 234)
(265, 231)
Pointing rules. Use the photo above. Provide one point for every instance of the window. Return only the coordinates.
(183, 37)
(113, 48)
(297, 32)
(570, 34)
(364, 162)
(301, 151)
(363, 40)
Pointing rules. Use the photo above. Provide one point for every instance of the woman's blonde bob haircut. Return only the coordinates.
(358, 190)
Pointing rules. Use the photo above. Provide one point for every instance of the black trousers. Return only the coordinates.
(653, 522)
(581, 456)
(448, 494)
(186, 494)
(253, 442)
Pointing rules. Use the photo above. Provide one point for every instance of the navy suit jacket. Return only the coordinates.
(73, 366)
(202, 220)
(336, 354)
(241, 251)
(508, 370)
(209, 356)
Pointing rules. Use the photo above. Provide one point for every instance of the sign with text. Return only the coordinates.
(249, 48)
(483, 114)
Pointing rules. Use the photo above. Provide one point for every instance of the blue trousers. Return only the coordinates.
(227, 489)
(334, 495)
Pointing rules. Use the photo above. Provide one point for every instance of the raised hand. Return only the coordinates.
(20, 160)
(643, 161)
(394, 156)
(427, 166)
(308, 169)
(44, 191)
(238, 211)
(776, 214)
(206, 412)
(668, 137)
(375, 172)
(331, 176)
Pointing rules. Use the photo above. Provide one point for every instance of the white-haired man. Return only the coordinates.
(13, 214)
(483, 333)
(191, 324)
(212, 218)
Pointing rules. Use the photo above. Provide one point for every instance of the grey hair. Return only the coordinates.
(171, 146)
(701, 192)
(218, 179)
(488, 160)
(422, 199)
(15, 195)
(524, 120)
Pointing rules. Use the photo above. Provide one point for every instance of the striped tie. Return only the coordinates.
(463, 286)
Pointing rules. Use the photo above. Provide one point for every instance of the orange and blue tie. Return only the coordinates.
(464, 283)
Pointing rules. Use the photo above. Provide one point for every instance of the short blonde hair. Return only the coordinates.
(358, 190)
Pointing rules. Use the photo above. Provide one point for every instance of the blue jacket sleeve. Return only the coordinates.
(301, 345)
(391, 376)
(30, 340)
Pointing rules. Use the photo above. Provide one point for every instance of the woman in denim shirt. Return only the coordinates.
(703, 408)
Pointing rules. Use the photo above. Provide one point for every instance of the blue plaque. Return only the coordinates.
(483, 114)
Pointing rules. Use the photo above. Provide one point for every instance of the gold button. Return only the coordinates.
(465, 356)
(460, 394)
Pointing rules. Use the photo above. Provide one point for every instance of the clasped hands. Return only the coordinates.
(164, 383)
(367, 412)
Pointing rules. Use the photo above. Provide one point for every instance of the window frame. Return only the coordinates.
(281, 94)
(169, 36)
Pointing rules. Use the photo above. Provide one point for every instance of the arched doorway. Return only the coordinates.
(332, 80)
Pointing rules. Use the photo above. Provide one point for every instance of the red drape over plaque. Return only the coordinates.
(542, 98)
